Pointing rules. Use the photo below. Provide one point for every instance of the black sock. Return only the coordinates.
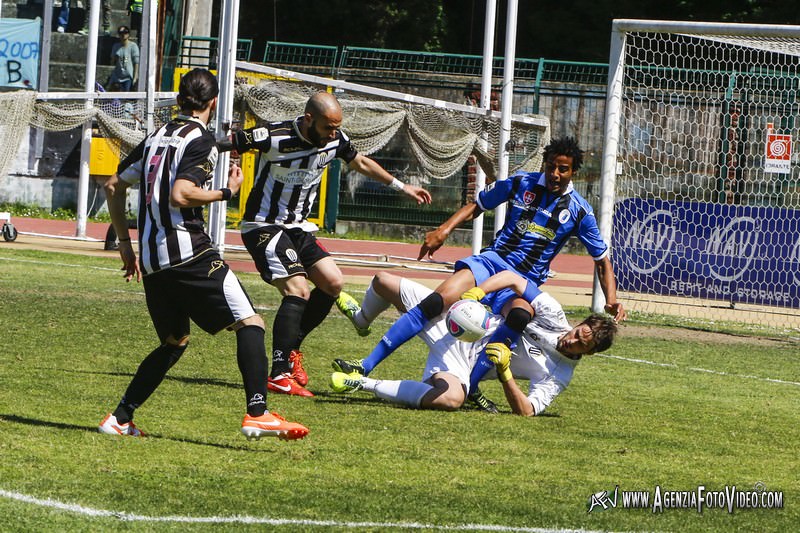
(318, 307)
(252, 358)
(148, 377)
(285, 331)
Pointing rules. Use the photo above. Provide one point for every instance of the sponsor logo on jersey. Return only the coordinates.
(215, 265)
(307, 177)
(547, 233)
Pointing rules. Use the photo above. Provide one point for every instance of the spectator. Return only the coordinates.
(125, 55)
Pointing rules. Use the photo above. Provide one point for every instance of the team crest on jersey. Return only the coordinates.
(563, 216)
(292, 255)
(529, 197)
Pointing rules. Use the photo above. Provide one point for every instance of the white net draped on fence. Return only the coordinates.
(441, 139)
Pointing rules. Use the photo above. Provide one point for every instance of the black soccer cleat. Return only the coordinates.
(483, 403)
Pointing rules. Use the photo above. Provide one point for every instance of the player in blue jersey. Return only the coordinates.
(544, 210)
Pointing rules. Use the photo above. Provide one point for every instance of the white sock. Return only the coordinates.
(404, 392)
(372, 306)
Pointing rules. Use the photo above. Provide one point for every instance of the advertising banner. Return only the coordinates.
(732, 253)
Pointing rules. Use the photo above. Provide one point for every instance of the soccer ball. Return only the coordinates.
(467, 320)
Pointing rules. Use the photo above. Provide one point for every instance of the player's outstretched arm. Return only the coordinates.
(434, 239)
(500, 354)
(370, 168)
(608, 282)
(115, 197)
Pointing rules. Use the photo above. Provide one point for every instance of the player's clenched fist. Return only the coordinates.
(475, 293)
(500, 354)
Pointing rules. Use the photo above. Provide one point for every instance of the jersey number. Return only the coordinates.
(152, 172)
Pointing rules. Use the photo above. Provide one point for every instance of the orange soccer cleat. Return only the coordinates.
(272, 425)
(298, 372)
(286, 384)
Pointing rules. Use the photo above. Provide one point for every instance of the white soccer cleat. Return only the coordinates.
(110, 426)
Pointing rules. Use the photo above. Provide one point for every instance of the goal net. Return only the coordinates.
(700, 154)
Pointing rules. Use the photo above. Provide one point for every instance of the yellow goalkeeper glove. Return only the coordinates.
(475, 293)
(500, 354)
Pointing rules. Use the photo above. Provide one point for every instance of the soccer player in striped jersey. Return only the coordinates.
(184, 276)
(278, 235)
(544, 211)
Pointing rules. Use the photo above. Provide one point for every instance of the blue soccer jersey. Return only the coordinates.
(538, 223)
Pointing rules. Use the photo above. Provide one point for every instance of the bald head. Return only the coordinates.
(322, 103)
(322, 119)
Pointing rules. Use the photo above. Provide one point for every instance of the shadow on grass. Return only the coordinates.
(180, 379)
(93, 429)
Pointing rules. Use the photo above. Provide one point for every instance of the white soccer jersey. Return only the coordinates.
(535, 357)
(170, 236)
(291, 169)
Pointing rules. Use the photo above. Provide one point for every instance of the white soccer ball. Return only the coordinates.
(467, 320)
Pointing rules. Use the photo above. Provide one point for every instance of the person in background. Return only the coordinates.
(125, 56)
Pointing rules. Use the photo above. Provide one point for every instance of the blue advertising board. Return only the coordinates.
(732, 253)
(19, 53)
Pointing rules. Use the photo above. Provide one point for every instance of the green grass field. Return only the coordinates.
(704, 409)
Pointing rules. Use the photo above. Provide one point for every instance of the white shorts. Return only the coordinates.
(446, 354)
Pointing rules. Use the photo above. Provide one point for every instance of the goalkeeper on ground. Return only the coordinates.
(546, 354)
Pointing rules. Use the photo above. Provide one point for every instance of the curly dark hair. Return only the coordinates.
(197, 88)
(567, 146)
(604, 329)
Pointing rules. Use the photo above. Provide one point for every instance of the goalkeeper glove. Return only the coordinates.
(475, 293)
(500, 354)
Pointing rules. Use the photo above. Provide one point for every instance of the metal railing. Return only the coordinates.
(203, 51)
(279, 53)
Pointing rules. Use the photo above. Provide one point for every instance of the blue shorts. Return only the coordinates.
(486, 265)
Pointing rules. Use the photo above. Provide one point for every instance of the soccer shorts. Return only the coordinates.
(484, 266)
(281, 252)
(204, 290)
(445, 353)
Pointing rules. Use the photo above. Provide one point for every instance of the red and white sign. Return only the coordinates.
(778, 155)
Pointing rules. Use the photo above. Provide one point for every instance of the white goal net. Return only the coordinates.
(701, 145)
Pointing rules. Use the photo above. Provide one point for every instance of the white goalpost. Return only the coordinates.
(700, 190)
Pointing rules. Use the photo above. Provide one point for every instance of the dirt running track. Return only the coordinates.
(359, 260)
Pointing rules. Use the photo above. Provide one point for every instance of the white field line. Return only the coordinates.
(239, 519)
(695, 369)
(51, 263)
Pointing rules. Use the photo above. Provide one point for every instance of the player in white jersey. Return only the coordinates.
(184, 276)
(546, 354)
(278, 235)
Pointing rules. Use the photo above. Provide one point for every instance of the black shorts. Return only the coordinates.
(203, 290)
(281, 253)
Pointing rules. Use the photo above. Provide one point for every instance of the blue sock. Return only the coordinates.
(503, 334)
(406, 327)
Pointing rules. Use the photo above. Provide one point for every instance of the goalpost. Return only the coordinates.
(700, 190)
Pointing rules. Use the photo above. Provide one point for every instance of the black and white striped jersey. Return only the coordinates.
(287, 185)
(182, 149)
